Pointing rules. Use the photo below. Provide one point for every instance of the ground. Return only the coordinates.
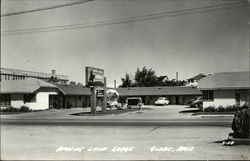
(61, 141)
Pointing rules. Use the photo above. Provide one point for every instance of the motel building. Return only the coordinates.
(71, 96)
(41, 95)
(226, 89)
(178, 95)
(40, 91)
(32, 93)
(16, 74)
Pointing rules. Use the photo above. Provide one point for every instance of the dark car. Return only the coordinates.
(191, 100)
(196, 102)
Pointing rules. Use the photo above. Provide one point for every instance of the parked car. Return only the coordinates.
(134, 102)
(191, 100)
(112, 103)
(197, 102)
(162, 101)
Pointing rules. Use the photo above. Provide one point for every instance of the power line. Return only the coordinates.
(44, 8)
(130, 19)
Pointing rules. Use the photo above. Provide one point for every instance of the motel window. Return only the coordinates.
(29, 98)
(208, 95)
(4, 100)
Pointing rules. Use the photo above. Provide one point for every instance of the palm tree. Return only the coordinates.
(126, 82)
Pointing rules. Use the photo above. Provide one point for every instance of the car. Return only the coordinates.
(112, 103)
(197, 102)
(191, 100)
(134, 102)
(162, 101)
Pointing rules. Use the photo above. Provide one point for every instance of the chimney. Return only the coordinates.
(176, 76)
(53, 72)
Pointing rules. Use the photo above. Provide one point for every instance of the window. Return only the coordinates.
(208, 95)
(29, 98)
(4, 100)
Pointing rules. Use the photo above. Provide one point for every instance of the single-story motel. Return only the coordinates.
(225, 89)
(220, 89)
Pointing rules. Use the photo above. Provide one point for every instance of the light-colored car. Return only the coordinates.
(162, 101)
(134, 102)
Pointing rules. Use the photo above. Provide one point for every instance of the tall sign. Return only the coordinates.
(96, 81)
(94, 76)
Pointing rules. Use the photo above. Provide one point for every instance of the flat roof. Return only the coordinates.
(151, 91)
(31, 73)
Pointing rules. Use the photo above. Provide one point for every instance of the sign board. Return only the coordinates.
(99, 93)
(94, 76)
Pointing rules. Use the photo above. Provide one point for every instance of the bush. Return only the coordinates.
(10, 109)
(220, 109)
(69, 105)
(24, 109)
(232, 108)
(13, 109)
(224, 109)
(210, 109)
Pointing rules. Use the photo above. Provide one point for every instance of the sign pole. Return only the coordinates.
(104, 108)
(93, 100)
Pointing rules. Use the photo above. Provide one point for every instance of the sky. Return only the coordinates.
(204, 42)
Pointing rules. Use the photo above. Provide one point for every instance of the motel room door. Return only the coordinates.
(55, 101)
(177, 100)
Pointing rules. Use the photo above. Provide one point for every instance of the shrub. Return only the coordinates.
(10, 109)
(220, 109)
(210, 109)
(69, 105)
(24, 109)
(13, 109)
(232, 108)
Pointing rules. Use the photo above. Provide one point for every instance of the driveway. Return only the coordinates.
(148, 112)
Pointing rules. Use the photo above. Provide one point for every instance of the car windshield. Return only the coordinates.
(161, 98)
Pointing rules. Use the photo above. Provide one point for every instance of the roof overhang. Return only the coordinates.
(224, 88)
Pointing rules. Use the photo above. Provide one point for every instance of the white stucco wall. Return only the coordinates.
(42, 101)
(221, 98)
(16, 100)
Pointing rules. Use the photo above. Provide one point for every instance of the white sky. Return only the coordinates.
(207, 42)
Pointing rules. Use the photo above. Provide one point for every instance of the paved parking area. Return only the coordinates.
(149, 112)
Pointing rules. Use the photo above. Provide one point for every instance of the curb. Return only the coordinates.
(113, 122)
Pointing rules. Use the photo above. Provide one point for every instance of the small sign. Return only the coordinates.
(99, 93)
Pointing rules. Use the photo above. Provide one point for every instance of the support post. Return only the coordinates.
(104, 107)
(93, 100)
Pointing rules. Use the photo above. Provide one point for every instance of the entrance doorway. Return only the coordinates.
(177, 100)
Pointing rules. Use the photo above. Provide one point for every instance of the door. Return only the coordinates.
(177, 100)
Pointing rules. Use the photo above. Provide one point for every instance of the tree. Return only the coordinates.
(161, 80)
(126, 82)
(145, 77)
